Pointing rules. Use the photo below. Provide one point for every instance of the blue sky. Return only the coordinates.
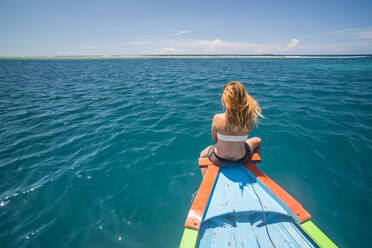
(33, 27)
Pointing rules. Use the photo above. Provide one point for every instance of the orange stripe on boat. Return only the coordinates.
(286, 198)
(204, 162)
(201, 199)
(255, 158)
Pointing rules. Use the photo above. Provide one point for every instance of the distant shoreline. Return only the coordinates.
(186, 56)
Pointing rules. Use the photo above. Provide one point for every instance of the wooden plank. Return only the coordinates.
(201, 199)
(189, 238)
(286, 198)
(197, 209)
(234, 216)
(317, 235)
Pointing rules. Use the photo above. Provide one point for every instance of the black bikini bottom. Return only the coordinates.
(220, 161)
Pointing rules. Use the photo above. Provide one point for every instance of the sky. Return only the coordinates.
(143, 27)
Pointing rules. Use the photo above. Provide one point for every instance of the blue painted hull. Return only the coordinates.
(242, 212)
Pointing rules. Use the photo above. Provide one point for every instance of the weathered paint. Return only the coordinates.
(286, 198)
(201, 214)
(234, 217)
(201, 199)
(317, 235)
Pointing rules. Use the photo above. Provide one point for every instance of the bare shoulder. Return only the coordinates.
(219, 121)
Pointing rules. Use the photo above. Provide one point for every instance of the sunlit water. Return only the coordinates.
(103, 152)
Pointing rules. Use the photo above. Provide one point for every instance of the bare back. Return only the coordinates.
(227, 149)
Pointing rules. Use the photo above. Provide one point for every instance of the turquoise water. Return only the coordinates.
(103, 152)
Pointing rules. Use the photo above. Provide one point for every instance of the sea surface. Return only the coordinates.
(103, 152)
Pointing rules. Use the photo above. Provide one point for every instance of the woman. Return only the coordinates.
(230, 129)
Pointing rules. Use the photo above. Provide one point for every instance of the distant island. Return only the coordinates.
(187, 56)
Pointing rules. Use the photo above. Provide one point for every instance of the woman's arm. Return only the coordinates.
(214, 131)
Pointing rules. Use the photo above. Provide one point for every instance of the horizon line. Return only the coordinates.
(186, 55)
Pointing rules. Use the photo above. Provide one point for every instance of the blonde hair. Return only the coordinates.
(240, 108)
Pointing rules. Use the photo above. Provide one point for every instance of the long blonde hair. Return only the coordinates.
(240, 108)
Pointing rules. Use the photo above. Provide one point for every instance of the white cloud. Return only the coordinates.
(214, 45)
(217, 46)
(293, 43)
(171, 50)
(227, 47)
(181, 32)
(309, 45)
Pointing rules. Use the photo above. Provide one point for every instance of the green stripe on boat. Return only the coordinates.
(189, 238)
(317, 235)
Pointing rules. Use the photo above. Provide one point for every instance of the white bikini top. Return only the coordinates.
(231, 138)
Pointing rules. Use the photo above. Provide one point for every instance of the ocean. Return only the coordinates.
(103, 152)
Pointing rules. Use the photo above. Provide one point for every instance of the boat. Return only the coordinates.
(239, 206)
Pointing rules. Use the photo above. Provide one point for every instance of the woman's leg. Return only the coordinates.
(204, 154)
(255, 144)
